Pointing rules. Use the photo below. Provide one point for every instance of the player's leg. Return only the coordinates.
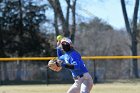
(87, 84)
(75, 88)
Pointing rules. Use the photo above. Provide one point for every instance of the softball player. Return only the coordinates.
(72, 60)
(59, 47)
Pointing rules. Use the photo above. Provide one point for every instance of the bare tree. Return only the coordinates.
(132, 30)
(59, 14)
(73, 20)
(59, 17)
(100, 39)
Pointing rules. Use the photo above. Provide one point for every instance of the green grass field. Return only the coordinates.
(119, 87)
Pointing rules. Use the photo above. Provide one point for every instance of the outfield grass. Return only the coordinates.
(132, 87)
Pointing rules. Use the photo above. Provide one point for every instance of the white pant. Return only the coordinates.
(82, 85)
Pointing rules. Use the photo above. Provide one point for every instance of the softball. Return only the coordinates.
(59, 37)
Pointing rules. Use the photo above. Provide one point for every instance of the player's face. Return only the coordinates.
(65, 46)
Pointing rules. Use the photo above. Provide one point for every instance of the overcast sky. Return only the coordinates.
(108, 10)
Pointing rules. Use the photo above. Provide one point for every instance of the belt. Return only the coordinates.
(78, 76)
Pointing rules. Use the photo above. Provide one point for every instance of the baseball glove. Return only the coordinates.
(55, 65)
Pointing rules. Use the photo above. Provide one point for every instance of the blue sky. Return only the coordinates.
(108, 10)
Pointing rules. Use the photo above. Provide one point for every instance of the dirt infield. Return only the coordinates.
(123, 87)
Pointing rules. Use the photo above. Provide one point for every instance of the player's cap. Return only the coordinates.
(59, 37)
(66, 40)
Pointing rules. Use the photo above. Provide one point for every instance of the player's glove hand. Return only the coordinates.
(55, 65)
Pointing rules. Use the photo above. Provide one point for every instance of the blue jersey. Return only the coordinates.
(73, 57)
(59, 52)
